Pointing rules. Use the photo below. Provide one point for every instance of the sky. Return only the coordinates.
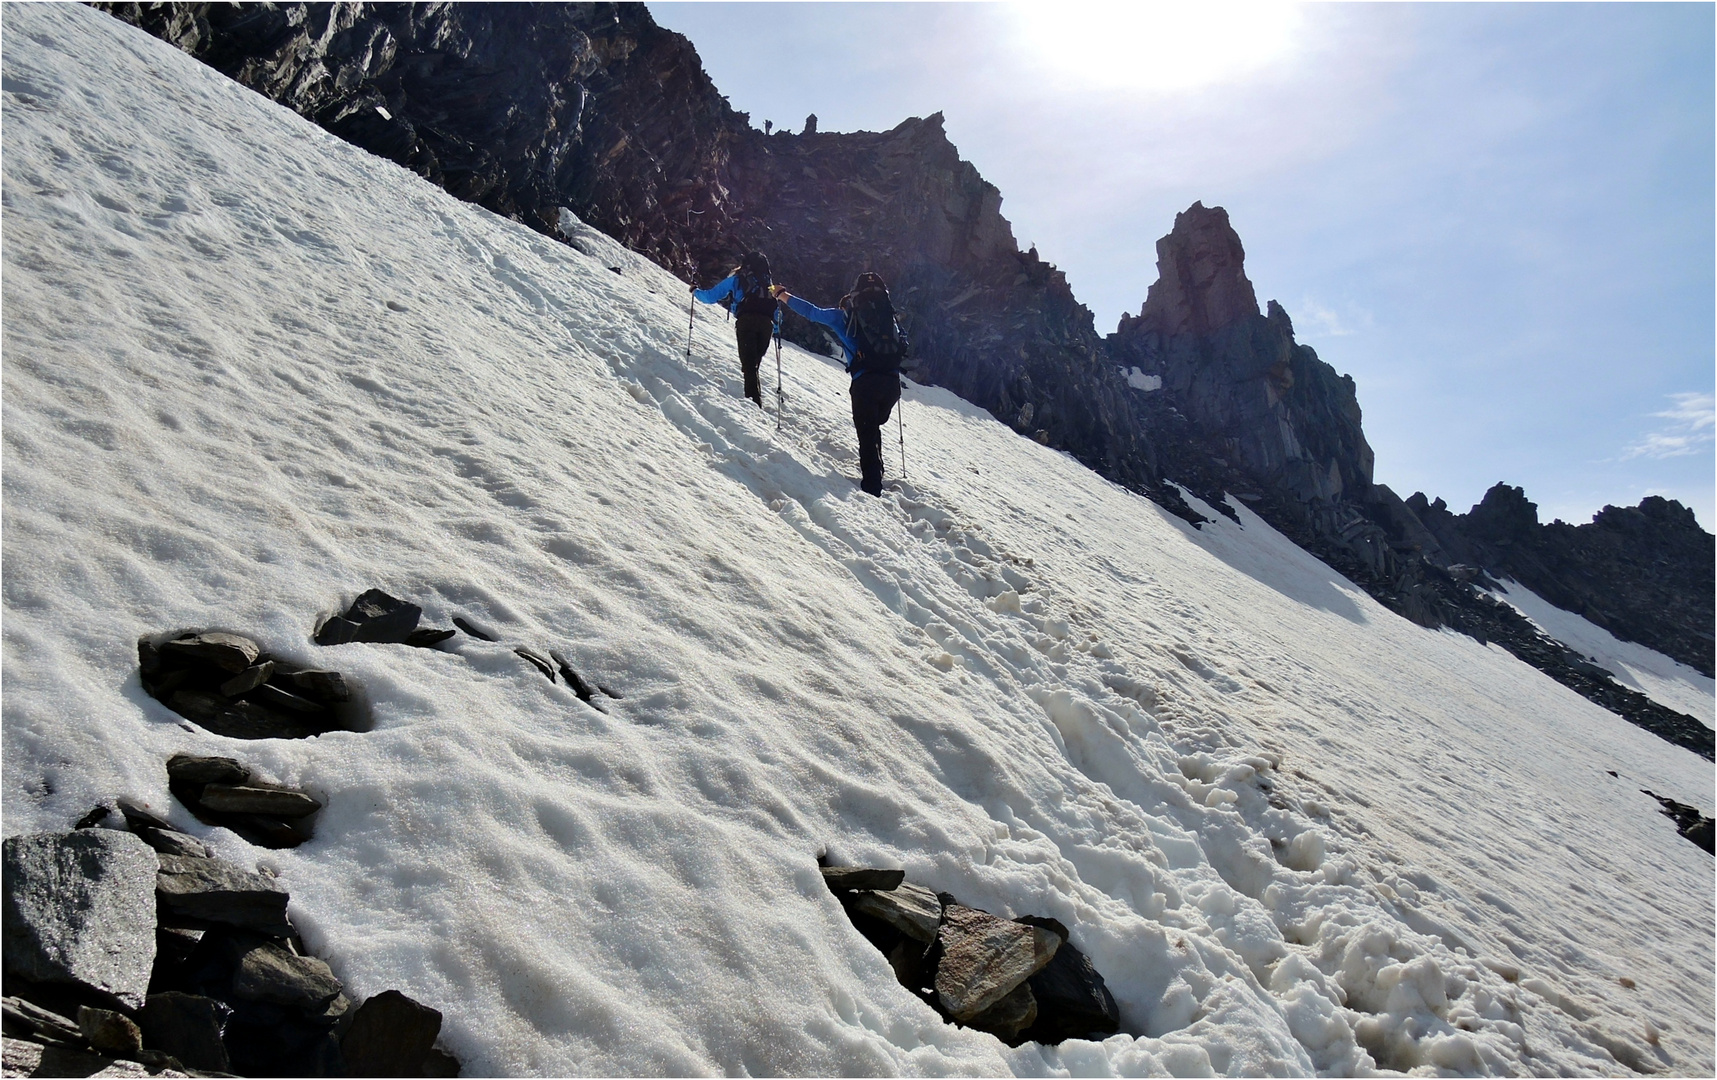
(1497, 218)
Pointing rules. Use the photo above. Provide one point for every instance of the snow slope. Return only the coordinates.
(250, 371)
(1667, 682)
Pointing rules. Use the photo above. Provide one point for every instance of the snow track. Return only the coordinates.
(250, 371)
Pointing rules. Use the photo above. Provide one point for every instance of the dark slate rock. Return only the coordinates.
(173, 842)
(912, 909)
(853, 878)
(217, 891)
(248, 679)
(189, 769)
(472, 630)
(268, 973)
(1010, 1016)
(229, 652)
(324, 687)
(236, 719)
(984, 958)
(94, 817)
(374, 616)
(286, 701)
(428, 637)
(273, 1040)
(79, 908)
(573, 679)
(27, 1018)
(391, 1035)
(535, 661)
(1073, 1002)
(138, 816)
(110, 1032)
(187, 1026)
(249, 799)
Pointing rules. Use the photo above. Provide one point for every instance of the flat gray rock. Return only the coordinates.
(217, 891)
(248, 679)
(325, 686)
(853, 878)
(912, 909)
(267, 972)
(190, 769)
(984, 958)
(80, 908)
(244, 799)
(229, 652)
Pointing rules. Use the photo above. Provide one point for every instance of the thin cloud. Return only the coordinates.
(1692, 425)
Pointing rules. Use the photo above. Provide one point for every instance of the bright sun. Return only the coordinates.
(1155, 47)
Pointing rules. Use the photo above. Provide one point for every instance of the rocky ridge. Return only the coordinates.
(528, 108)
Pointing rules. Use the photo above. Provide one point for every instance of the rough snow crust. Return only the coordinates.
(250, 370)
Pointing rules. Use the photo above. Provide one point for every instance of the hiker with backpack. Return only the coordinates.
(756, 315)
(876, 347)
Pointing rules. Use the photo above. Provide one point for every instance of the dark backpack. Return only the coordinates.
(753, 280)
(882, 345)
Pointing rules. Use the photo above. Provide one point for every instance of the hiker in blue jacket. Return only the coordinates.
(864, 323)
(756, 315)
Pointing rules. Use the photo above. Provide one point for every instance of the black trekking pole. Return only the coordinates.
(691, 320)
(902, 419)
(780, 394)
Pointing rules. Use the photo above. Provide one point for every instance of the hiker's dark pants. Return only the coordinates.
(753, 332)
(874, 394)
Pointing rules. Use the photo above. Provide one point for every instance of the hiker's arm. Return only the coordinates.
(833, 318)
(716, 293)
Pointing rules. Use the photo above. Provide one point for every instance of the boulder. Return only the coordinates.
(374, 616)
(267, 972)
(1073, 1002)
(328, 687)
(206, 891)
(79, 907)
(229, 652)
(248, 679)
(110, 1032)
(250, 799)
(188, 769)
(392, 1035)
(1010, 1016)
(912, 909)
(984, 958)
(854, 878)
(187, 1026)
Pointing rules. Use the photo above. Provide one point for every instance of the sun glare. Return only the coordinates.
(1155, 47)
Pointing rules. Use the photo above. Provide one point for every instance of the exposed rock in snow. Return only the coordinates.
(80, 909)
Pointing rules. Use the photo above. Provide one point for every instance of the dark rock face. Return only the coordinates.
(392, 1035)
(205, 892)
(1644, 573)
(1266, 405)
(187, 1026)
(79, 908)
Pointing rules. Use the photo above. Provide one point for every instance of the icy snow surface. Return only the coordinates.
(1653, 674)
(250, 371)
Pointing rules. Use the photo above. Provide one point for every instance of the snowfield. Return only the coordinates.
(250, 371)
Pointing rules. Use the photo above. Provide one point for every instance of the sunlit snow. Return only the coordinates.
(250, 371)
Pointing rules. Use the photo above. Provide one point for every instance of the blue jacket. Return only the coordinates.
(728, 289)
(835, 319)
